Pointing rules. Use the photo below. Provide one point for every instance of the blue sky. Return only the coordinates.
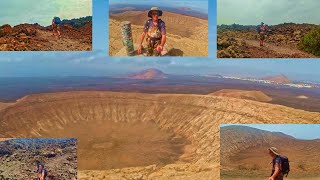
(97, 63)
(15, 12)
(252, 12)
(299, 131)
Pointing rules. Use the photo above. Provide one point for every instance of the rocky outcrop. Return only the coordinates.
(33, 37)
(5, 30)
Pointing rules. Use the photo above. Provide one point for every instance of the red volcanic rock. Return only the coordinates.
(5, 30)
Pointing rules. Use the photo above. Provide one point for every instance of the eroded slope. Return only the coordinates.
(193, 118)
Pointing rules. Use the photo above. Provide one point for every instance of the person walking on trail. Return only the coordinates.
(41, 171)
(155, 29)
(262, 32)
(56, 22)
(276, 164)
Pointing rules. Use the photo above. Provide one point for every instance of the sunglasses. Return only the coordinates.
(154, 13)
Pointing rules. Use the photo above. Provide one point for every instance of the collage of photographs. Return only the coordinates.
(159, 90)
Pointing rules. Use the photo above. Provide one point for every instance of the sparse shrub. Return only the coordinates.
(255, 167)
(302, 167)
(242, 167)
(311, 42)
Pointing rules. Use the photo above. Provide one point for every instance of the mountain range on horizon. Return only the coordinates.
(154, 73)
(152, 80)
(183, 10)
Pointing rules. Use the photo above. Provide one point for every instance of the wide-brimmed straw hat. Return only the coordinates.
(154, 9)
(274, 151)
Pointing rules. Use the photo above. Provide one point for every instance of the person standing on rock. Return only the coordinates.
(41, 171)
(276, 164)
(155, 29)
(56, 21)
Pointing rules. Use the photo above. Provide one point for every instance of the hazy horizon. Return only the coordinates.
(199, 5)
(97, 63)
(298, 131)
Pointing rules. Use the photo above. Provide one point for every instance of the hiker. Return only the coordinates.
(56, 21)
(262, 30)
(41, 171)
(155, 29)
(276, 164)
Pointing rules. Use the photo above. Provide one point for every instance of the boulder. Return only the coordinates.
(5, 30)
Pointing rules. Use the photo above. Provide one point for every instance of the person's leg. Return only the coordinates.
(156, 53)
(149, 47)
(149, 50)
(54, 29)
(58, 29)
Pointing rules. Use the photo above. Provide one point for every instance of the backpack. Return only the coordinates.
(258, 29)
(285, 165)
(45, 172)
(56, 20)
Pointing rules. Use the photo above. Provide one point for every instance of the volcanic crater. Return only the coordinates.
(136, 135)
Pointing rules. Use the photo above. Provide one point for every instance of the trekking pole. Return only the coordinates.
(127, 37)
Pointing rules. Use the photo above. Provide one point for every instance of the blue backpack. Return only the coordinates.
(258, 29)
(56, 20)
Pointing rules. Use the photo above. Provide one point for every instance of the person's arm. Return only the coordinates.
(276, 172)
(143, 35)
(52, 24)
(164, 37)
(42, 176)
(163, 40)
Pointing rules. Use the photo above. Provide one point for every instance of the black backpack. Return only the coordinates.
(285, 165)
(45, 172)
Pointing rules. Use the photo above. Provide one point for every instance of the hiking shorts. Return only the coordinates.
(152, 45)
(262, 36)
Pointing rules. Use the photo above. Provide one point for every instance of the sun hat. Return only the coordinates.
(154, 9)
(274, 151)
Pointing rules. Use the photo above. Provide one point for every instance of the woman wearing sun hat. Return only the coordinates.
(155, 29)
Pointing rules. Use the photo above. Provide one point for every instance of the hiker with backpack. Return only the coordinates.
(155, 29)
(41, 171)
(262, 29)
(280, 165)
(56, 22)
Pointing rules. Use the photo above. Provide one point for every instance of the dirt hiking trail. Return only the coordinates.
(278, 49)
